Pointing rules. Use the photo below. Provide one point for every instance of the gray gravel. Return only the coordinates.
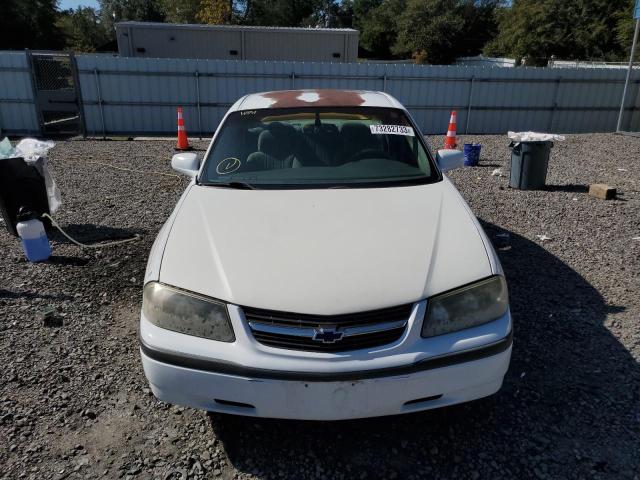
(74, 402)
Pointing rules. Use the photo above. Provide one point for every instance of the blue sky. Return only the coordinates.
(66, 4)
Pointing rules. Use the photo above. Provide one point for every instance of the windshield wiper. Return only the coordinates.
(236, 185)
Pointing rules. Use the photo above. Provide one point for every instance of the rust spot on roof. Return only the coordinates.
(313, 98)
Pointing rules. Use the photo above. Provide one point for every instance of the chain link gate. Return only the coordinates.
(57, 92)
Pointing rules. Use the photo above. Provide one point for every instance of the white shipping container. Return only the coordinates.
(235, 42)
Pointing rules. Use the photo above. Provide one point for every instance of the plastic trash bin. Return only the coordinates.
(529, 163)
(471, 154)
(21, 185)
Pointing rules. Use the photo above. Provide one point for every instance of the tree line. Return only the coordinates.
(427, 31)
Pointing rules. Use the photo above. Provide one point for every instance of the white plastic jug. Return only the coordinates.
(34, 237)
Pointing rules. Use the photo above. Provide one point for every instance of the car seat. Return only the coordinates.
(281, 146)
(356, 137)
(325, 141)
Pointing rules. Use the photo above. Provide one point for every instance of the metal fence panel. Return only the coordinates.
(138, 96)
(18, 115)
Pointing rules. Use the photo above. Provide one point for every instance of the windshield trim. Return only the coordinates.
(407, 182)
(435, 177)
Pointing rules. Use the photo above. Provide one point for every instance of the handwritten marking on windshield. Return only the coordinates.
(228, 165)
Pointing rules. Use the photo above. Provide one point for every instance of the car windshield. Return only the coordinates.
(319, 147)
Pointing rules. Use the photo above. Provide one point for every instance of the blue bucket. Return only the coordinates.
(471, 154)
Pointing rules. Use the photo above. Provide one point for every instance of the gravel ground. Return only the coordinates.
(74, 402)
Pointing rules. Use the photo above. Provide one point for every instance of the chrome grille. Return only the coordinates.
(328, 333)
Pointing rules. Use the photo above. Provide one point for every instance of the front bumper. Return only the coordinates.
(248, 378)
(327, 400)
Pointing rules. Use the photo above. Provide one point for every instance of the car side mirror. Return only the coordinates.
(186, 163)
(449, 159)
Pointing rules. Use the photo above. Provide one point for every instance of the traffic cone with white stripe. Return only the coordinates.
(450, 141)
(183, 141)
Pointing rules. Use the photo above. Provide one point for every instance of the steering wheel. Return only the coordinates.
(368, 153)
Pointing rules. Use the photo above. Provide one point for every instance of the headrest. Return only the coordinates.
(266, 141)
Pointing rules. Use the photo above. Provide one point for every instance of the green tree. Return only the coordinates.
(180, 11)
(428, 29)
(113, 11)
(278, 13)
(30, 24)
(331, 14)
(438, 31)
(480, 25)
(378, 25)
(361, 10)
(342, 16)
(215, 12)
(571, 29)
(82, 29)
(625, 26)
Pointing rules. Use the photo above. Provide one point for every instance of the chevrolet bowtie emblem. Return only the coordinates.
(327, 335)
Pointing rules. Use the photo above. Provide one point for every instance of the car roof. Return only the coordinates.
(316, 97)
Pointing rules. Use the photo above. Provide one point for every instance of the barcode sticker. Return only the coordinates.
(392, 130)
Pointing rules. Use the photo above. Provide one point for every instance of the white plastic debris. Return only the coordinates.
(31, 149)
(535, 137)
(497, 172)
(543, 237)
(34, 153)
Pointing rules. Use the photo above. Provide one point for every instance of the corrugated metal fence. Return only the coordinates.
(138, 95)
(17, 104)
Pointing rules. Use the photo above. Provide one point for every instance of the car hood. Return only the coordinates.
(324, 251)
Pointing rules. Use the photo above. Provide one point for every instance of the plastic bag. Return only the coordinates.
(31, 149)
(53, 192)
(34, 153)
(6, 150)
(535, 137)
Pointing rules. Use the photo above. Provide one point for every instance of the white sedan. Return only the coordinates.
(320, 266)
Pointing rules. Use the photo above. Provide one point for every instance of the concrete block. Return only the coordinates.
(603, 191)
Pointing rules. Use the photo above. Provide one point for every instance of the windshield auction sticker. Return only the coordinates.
(392, 130)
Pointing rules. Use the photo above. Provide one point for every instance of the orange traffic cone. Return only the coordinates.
(450, 141)
(183, 141)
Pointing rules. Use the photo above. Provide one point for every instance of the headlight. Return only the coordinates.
(466, 307)
(186, 312)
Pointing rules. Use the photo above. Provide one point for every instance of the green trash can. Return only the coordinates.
(529, 163)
